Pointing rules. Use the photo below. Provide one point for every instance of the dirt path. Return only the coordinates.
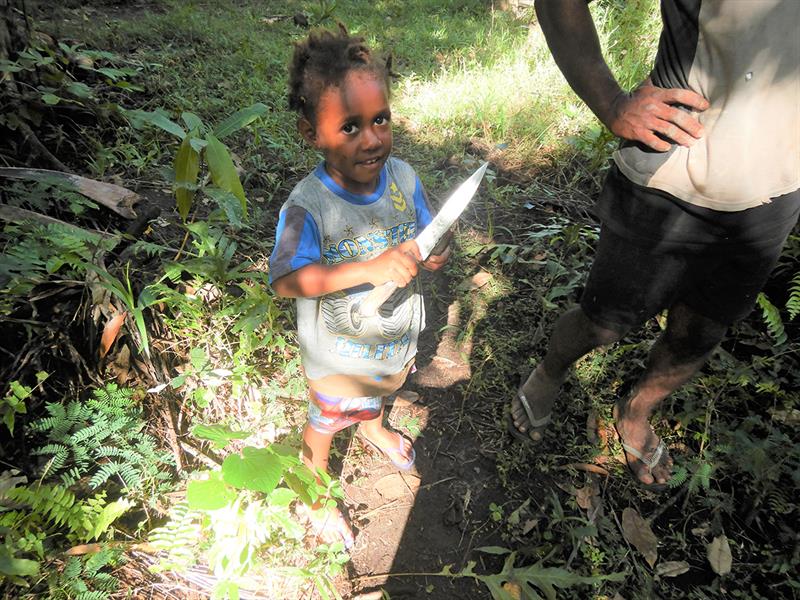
(436, 514)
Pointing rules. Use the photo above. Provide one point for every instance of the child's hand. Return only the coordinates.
(398, 264)
(442, 252)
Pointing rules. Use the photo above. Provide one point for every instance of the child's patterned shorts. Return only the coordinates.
(329, 414)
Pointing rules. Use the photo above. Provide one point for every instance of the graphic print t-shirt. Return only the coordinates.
(323, 223)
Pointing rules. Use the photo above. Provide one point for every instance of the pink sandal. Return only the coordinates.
(390, 453)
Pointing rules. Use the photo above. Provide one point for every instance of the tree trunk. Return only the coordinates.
(14, 32)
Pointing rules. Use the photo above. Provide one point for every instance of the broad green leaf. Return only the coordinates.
(50, 99)
(219, 435)
(198, 144)
(8, 420)
(223, 173)
(192, 122)
(81, 90)
(19, 390)
(209, 494)
(187, 165)
(497, 591)
(16, 567)
(198, 358)
(290, 527)
(158, 118)
(110, 514)
(281, 497)
(493, 550)
(240, 119)
(256, 469)
(305, 491)
(228, 203)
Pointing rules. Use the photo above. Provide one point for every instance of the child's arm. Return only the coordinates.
(397, 264)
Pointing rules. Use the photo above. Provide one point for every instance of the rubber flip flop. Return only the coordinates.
(532, 423)
(390, 452)
(653, 461)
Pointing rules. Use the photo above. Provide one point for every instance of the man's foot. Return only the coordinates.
(533, 404)
(645, 453)
(328, 525)
(391, 444)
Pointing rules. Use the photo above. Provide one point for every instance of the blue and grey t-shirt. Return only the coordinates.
(323, 223)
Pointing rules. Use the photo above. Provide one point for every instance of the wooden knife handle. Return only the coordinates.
(375, 299)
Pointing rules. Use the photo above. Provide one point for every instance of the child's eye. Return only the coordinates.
(382, 120)
(349, 129)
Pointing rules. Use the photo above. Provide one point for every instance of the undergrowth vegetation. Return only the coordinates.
(152, 397)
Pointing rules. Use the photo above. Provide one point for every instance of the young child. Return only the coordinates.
(347, 227)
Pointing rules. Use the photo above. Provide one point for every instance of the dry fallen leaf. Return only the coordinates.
(82, 549)
(111, 331)
(583, 496)
(672, 568)
(719, 555)
(637, 531)
(120, 367)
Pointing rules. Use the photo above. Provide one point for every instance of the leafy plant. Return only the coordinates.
(202, 144)
(102, 438)
(84, 578)
(242, 508)
(136, 305)
(34, 253)
(14, 401)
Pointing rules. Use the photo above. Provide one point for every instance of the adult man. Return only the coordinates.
(696, 208)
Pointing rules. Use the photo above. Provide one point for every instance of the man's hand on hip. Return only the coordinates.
(648, 110)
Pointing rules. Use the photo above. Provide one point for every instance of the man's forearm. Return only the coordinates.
(572, 37)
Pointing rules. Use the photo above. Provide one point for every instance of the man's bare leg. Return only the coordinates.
(676, 356)
(573, 336)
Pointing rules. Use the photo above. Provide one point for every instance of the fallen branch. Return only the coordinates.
(114, 197)
(14, 214)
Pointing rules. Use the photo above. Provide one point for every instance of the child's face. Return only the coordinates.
(353, 131)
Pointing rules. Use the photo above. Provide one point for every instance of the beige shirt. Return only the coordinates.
(744, 57)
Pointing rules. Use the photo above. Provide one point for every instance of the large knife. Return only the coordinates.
(429, 237)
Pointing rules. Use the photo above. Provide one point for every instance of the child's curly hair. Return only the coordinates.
(323, 60)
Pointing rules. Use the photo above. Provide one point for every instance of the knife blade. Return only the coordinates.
(430, 236)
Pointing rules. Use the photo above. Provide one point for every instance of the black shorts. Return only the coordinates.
(656, 250)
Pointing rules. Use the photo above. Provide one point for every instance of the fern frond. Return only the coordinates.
(93, 595)
(679, 477)
(55, 504)
(104, 473)
(772, 318)
(793, 303)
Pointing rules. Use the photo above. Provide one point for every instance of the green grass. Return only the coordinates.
(466, 72)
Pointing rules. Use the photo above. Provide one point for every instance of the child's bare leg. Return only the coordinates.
(574, 335)
(316, 448)
(316, 453)
(376, 433)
